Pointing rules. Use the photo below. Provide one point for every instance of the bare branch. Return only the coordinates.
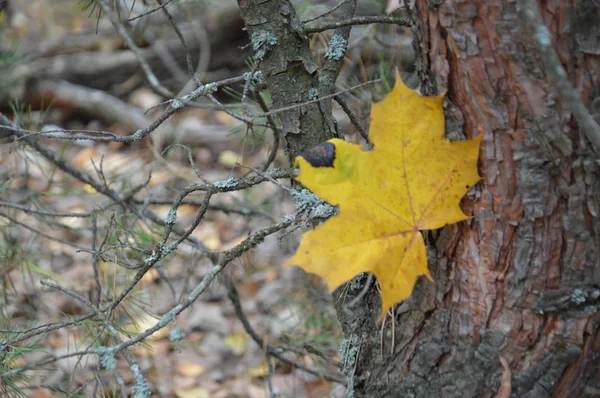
(358, 21)
(352, 117)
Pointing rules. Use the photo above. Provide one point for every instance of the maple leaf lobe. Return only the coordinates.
(412, 180)
(321, 155)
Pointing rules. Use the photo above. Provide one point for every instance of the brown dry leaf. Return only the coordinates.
(271, 275)
(182, 211)
(188, 369)
(40, 393)
(255, 391)
(196, 392)
(225, 118)
(160, 177)
(152, 276)
(83, 157)
(186, 210)
(317, 388)
(118, 162)
(161, 210)
(259, 371)
(78, 24)
(145, 98)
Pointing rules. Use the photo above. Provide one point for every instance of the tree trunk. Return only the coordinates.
(514, 309)
(289, 70)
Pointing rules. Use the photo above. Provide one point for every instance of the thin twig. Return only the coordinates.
(306, 103)
(101, 136)
(149, 12)
(353, 118)
(48, 213)
(190, 159)
(235, 300)
(274, 129)
(260, 173)
(95, 260)
(270, 371)
(113, 331)
(357, 21)
(226, 258)
(312, 350)
(367, 286)
(150, 76)
(331, 10)
(188, 56)
(40, 233)
(332, 65)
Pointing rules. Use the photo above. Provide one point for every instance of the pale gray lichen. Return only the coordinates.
(228, 183)
(166, 318)
(305, 199)
(323, 210)
(171, 217)
(176, 334)
(288, 218)
(258, 77)
(348, 352)
(262, 41)
(176, 104)
(153, 257)
(313, 93)
(343, 348)
(542, 35)
(169, 248)
(579, 296)
(201, 91)
(52, 128)
(336, 48)
(315, 207)
(107, 357)
(141, 389)
(261, 37)
(138, 135)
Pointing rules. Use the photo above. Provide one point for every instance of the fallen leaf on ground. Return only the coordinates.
(237, 343)
(229, 158)
(413, 179)
(259, 371)
(197, 392)
(190, 369)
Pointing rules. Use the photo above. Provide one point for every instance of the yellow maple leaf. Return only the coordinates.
(413, 179)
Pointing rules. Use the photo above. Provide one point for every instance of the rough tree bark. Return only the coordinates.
(514, 309)
(282, 52)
